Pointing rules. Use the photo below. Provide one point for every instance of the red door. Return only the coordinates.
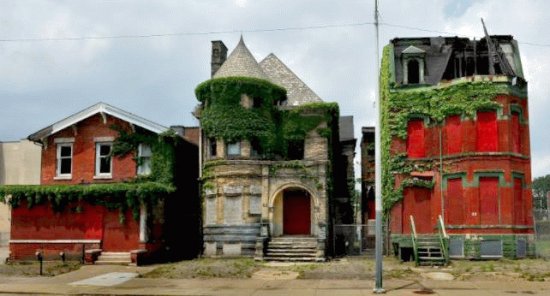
(296, 213)
(454, 211)
(118, 236)
(488, 200)
(417, 203)
(518, 202)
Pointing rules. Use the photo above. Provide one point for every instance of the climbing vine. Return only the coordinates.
(435, 103)
(224, 116)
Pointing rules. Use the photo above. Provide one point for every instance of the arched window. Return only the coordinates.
(413, 71)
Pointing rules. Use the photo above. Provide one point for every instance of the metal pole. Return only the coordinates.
(377, 167)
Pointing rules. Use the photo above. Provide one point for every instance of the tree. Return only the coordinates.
(541, 187)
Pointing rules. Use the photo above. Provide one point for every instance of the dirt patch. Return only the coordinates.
(33, 268)
(206, 268)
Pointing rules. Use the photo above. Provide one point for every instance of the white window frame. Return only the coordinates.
(238, 145)
(140, 167)
(58, 174)
(98, 157)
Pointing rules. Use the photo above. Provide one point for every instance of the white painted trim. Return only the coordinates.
(63, 140)
(55, 241)
(104, 139)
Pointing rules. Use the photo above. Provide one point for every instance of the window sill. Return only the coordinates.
(69, 177)
(103, 177)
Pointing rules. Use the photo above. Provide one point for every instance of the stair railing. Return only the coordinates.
(414, 238)
(443, 239)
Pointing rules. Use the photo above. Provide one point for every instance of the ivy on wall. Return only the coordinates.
(435, 103)
(223, 116)
(146, 190)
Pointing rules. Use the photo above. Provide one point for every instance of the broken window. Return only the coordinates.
(295, 149)
(413, 72)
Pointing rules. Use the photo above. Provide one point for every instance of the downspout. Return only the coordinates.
(441, 173)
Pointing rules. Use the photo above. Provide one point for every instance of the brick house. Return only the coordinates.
(456, 144)
(110, 183)
(275, 172)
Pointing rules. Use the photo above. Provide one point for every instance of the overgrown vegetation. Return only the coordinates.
(433, 104)
(224, 117)
(131, 195)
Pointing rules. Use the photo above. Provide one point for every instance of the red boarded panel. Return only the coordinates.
(417, 203)
(296, 213)
(487, 134)
(488, 200)
(516, 137)
(518, 202)
(453, 132)
(41, 222)
(454, 210)
(118, 236)
(415, 138)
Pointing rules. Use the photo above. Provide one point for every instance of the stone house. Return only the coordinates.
(270, 156)
(456, 145)
(111, 184)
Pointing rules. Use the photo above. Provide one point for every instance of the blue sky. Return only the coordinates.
(44, 81)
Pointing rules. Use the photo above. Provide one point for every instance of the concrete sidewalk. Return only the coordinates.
(60, 285)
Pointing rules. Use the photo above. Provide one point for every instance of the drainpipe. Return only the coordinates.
(441, 173)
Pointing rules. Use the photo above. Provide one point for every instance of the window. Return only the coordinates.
(453, 134)
(255, 147)
(413, 72)
(415, 138)
(64, 160)
(516, 135)
(295, 149)
(487, 131)
(103, 160)
(455, 208)
(213, 147)
(234, 149)
(144, 160)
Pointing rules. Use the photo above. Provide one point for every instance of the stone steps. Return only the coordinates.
(293, 249)
(114, 258)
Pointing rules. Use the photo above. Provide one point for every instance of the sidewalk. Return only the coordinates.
(60, 285)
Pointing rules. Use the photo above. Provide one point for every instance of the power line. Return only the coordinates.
(137, 36)
(280, 29)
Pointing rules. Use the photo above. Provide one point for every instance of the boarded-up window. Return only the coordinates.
(453, 134)
(488, 200)
(487, 132)
(516, 136)
(415, 138)
(454, 211)
(518, 202)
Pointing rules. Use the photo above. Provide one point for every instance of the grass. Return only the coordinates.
(207, 268)
(32, 268)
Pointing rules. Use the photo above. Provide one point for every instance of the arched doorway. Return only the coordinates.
(296, 212)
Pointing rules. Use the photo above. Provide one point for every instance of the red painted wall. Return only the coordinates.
(415, 138)
(453, 135)
(84, 153)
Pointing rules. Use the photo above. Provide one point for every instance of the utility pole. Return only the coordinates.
(377, 166)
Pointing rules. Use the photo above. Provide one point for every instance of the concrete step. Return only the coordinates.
(114, 258)
(294, 259)
(295, 250)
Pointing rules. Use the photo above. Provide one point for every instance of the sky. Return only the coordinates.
(55, 59)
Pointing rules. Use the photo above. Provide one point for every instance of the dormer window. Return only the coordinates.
(413, 65)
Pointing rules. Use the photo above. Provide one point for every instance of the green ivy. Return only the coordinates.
(434, 103)
(222, 115)
(120, 196)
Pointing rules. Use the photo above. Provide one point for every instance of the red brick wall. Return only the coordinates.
(83, 168)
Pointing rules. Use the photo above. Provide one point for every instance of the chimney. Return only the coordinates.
(219, 54)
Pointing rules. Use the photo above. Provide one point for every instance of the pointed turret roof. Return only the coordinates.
(298, 92)
(241, 63)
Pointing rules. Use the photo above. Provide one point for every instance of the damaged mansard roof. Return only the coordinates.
(241, 62)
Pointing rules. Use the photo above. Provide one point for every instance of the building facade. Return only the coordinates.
(269, 154)
(109, 183)
(455, 127)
